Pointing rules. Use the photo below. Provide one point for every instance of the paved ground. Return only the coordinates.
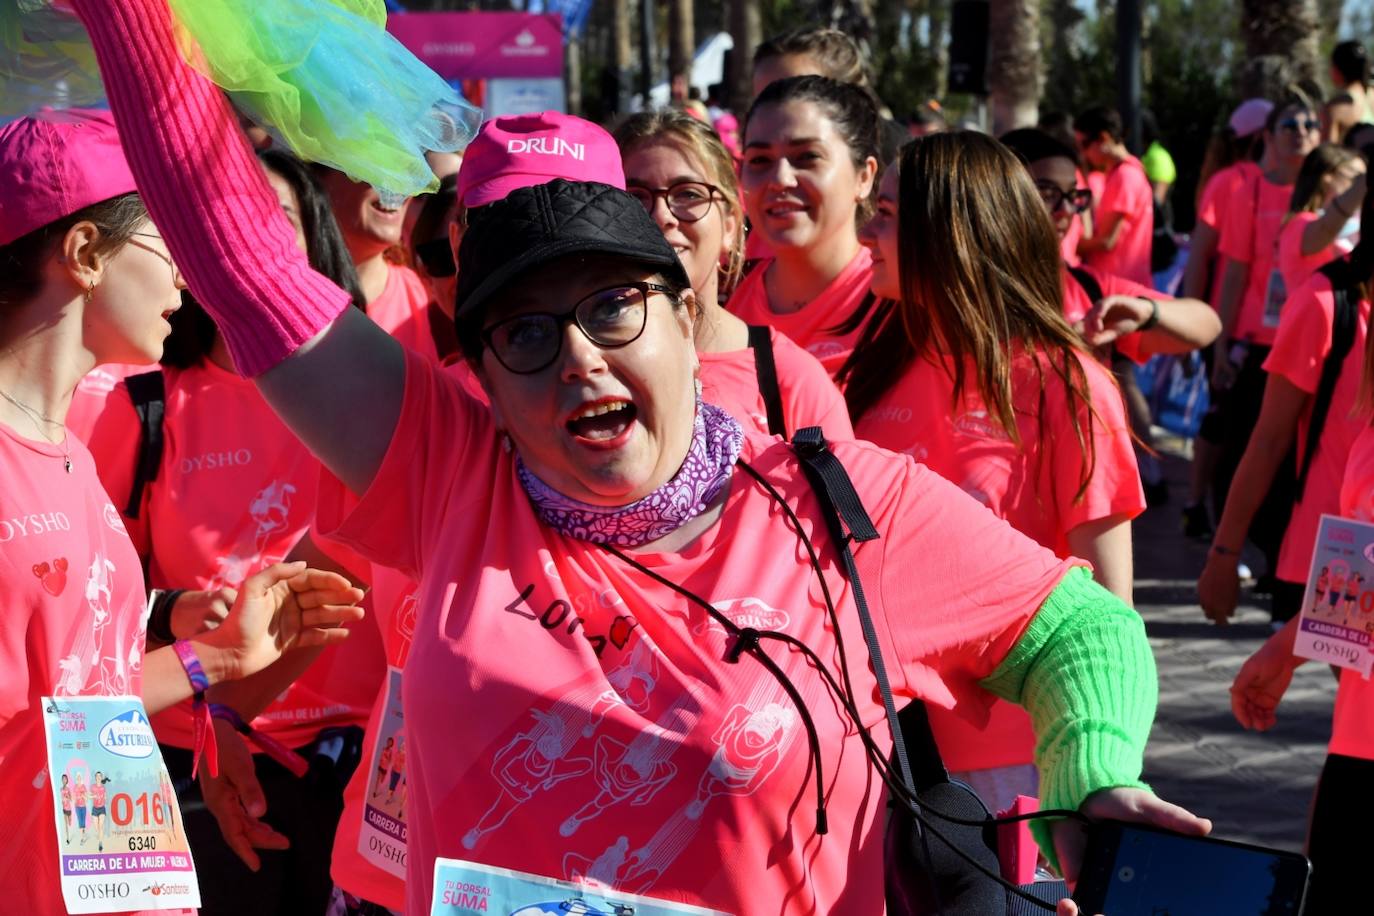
(1256, 787)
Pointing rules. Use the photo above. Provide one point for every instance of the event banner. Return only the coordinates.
(120, 838)
(1337, 620)
(382, 839)
(467, 887)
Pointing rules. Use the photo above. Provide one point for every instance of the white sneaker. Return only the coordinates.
(1243, 571)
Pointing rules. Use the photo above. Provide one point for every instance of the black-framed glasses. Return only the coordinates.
(1300, 125)
(610, 318)
(436, 257)
(1079, 199)
(687, 200)
(176, 274)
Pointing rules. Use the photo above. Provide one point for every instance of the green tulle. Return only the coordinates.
(323, 76)
(326, 78)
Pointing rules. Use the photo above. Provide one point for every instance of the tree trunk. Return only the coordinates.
(1281, 45)
(681, 43)
(622, 51)
(746, 29)
(938, 28)
(1014, 63)
(572, 69)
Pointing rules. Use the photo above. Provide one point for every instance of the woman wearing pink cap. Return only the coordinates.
(680, 171)
(598, 552)
(86, 279)
(810, 166)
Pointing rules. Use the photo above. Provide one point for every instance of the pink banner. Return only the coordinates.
(480, 45)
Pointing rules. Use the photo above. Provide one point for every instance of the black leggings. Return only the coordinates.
(306, 810)
(1338, 842)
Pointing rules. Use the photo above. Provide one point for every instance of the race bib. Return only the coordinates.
(1275, 295)
(1337, 621)
(120, 839)
(467, 887)
(382, 840)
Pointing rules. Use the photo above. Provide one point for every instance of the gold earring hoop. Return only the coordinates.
(90, 293)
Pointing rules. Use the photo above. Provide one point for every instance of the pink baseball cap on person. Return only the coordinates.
(55, 163)
(1250, 116)
(519, 151)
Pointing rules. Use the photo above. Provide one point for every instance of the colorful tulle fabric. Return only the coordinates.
(323, 76)
(46, 60)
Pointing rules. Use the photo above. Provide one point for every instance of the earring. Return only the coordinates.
(90, 293)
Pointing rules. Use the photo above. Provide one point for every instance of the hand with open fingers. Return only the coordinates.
(1114, 317)
(1120, 804)
(236, 799)
(1262, 681)
(286, 606)
(195, 612)
(1218, 588)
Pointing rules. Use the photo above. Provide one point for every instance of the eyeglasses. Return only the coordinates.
(1079, 199)
(687, 200)
(176, 274)
(436, 257)
(610, 318)
(1300, 125)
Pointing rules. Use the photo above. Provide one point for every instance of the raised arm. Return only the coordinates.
(334, 377)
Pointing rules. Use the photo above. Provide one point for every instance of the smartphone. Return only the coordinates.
(1134, 870)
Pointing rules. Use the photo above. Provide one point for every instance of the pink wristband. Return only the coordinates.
(204, 741)
(205, 189)
(270, 746)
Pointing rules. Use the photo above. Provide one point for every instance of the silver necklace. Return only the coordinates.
(36, 417)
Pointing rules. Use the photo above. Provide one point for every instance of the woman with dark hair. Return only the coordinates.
(598, 551)
(1353, 102)
(810, 163)
(233, 490)
(971, 366)
(86, 279)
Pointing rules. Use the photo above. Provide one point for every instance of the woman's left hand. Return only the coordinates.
(1121, 804)
(1115, 317)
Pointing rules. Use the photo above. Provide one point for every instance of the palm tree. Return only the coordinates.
(681, 41)
(1014, 65)
(1281, 45)
(746, 29)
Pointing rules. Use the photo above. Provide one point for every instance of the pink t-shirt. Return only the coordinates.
(234, 493)
(1250, 235)
(1126, 190)
(569, 716)
(1352, 725)
(1220, 191)
(1296, 267)
(811, 326)
(1068, 245)
(1031, 486)
(72, 610)
(402, 310)
(809, 397)
(95, 387)
(1300, 349)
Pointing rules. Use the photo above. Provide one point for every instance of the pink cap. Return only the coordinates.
(55, 163)
(519, 151)
(1250, 116)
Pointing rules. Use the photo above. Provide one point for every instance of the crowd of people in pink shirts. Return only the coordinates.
(456, 444)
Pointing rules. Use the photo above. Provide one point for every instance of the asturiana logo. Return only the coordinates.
(128, 735)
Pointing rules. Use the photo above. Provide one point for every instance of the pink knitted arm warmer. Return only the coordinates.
(205, 189)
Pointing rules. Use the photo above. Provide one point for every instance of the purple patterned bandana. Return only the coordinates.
(716, 442)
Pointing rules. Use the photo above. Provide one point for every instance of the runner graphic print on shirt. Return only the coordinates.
(270, 511)
(88, 657)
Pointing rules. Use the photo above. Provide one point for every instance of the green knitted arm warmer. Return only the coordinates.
(1084, 671)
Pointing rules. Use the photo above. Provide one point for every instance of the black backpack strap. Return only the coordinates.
(148, 392)
(1088, 282)
(849, 521)
(761, 342)
(1344, 323)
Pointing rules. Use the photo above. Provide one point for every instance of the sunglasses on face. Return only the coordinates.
(688, 201)
(1079, 199)
(436, 257)
(610, 318)
(1300, 125)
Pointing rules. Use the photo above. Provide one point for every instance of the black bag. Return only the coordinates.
(924, 873)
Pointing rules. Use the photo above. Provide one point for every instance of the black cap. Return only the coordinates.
(508, 238)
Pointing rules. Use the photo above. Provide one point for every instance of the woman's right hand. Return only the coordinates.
(194, 613)
(1218, 588)
(1263, 679)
